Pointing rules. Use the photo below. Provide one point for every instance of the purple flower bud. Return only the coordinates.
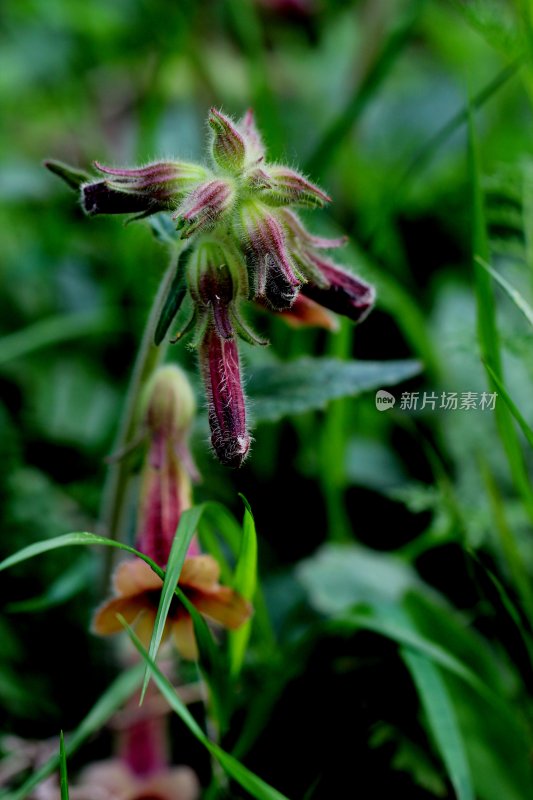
(289, 187)
(345, 293)
(227, 147)
(299, 236)
(204, 207)
(147, 190)
(219, 361)
(255, 149)
(274, 277)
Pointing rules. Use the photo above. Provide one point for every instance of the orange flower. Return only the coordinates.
(138, 588)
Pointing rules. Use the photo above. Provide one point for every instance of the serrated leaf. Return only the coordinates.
(294, 387)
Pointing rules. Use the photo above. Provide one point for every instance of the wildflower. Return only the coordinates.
(137, 590)
(242, 241)
(166, 491)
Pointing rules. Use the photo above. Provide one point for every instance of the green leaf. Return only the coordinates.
(385, 622)
(63, 768)
(306, 384)
(248, 780)
(67, 585)
(511, 405)
(186, 529)
(442, 720)
(113, 698)
(55, 330)
(163, 228)
(172, 303)
(245, 582)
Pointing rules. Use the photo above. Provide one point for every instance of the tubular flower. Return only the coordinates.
(241, 241)
(168, 410)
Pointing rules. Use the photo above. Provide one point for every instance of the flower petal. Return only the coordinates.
(200, 572)
(134, 577)
(105, 621)
(180, 783)
(184, 639)
(223, 605)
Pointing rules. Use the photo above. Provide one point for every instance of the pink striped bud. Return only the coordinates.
(344, 293)
(227, 146)
(204, 207)
(288, 187)
(219, 361)
(273, 274)
(150, 189)
(255, 149)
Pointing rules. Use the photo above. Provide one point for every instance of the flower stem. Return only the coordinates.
(148, 357)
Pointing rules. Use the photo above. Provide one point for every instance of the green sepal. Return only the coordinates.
(172, 304)
(72, 176)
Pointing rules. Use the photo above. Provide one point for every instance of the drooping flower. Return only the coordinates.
(241, 241)
(166, 491)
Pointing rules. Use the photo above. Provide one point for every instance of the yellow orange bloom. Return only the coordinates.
(137, 591)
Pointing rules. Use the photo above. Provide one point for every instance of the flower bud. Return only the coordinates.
(219, 361)
(227, 147)
(288, 187)
(169, 404)
(149, 189)
(255, 149)
(204, 206)
(345, 293)
(274, 278)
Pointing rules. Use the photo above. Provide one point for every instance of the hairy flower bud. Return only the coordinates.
(255, 149)
(344, 293)
(204, 207)
(147, 190)
(227, 147)
(288, 187)
(274, 278)
(219, 361)
(169, 404)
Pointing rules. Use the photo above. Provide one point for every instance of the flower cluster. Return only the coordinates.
(168, 409)
(242, 241)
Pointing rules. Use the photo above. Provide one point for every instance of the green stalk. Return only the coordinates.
(148, 358)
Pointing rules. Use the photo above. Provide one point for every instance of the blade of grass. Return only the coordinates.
(442, 720)
(245, 582)
(212, 664)
(186, 529)
(63, 768)
(387, 625)
(113, 698)
(427, 151)
(488, 337)
(513, 293)
(511, 405)
(400, 36)
(55, 330)
(248, 780)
